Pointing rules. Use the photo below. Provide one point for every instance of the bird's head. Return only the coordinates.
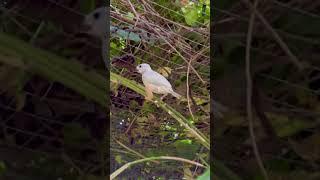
(141, 68)
(96, 21)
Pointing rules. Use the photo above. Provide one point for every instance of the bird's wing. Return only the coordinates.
(156, 79)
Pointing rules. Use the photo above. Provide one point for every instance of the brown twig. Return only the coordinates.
(195, 71)
(282, 44)
(146, 25)
(249, 94)
(188, 71)
(134, 11)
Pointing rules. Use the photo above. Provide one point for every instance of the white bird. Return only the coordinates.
(97, 21)
(155, 82)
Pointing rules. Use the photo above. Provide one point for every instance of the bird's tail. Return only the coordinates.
(175, 94)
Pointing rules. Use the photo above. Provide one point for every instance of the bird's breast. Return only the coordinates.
(158, 89)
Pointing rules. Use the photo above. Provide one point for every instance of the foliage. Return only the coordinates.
(284, 98)
(205, 176)
(165, 127)
(197, 13)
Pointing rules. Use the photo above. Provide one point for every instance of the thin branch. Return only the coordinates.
(282, 44)
(188, 72)
(140, 26)
(68, 160)
(133, 151)
(249, 93)
(196, 30)
(126, 166)
(194, 70)
(171, 111)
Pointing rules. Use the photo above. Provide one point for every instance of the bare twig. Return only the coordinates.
(68, 160)
(133, 151)
(194, 70)
(126, 166)
(282, 44)
(249, 93)
(128, 129)
(150, 28)
(36, 34)
(172, 35)
(188, 72)
(265, 122)
(196, 30)
(134, 11)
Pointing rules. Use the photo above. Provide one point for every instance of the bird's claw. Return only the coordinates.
(162, 97)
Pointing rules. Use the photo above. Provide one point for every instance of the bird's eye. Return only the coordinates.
(139, 66)
(96, 15)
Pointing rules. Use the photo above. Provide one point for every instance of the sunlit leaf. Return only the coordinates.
(191, 16)
(205, 175)
(118, 158)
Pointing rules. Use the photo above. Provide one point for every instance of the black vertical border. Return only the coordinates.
(211, 85)
(107, 139)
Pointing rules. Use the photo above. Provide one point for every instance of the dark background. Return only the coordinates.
(285, 99)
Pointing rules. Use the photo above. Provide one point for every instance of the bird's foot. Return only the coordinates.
(162, 97)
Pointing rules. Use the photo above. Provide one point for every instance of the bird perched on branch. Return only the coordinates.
(155, 82)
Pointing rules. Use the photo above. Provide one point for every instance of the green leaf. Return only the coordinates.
(130, 15)
(118, 158)
(70, 73)
(205, 175)
(287, 127)
(191, 16)
(200, 101)
(186, 148)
